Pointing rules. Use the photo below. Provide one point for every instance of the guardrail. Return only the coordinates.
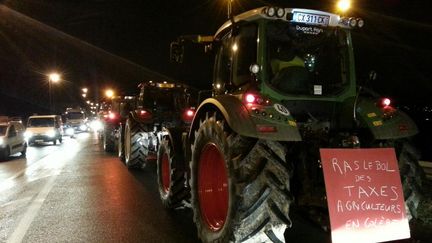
(427, 167)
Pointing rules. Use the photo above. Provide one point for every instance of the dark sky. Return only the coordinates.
(118, 43)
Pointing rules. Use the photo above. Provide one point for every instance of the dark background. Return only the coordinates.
(116, 44)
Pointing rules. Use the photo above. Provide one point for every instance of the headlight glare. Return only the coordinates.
(28, 134)
(50, 134)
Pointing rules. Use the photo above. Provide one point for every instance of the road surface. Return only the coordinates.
(75, 192)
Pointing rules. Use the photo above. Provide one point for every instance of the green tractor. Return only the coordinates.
(284, 86)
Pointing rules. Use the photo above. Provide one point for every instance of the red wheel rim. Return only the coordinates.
(213, 187)
(165, 173)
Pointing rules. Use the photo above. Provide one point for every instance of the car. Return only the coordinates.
(44, 128)
(11, 138)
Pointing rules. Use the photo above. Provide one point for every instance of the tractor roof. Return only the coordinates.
(289, 15)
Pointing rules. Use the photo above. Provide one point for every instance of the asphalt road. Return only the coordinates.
(75, 192)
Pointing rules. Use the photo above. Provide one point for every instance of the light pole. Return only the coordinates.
(52, 78)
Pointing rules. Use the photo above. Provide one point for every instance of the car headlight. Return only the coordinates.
(96, 125)
(83, 127)
(70, 131)
(50, 134)
(28, 134)
(1, 141)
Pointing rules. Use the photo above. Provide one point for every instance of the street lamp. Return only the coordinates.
(343, 5)
(109, 93)
(53, 77)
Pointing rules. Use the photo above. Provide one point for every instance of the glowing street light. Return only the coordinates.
(343, 5)
(84, 90)
(53, 77)
(109, 93)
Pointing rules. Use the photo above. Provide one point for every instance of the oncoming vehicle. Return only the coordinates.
(44, 128)
(284, 87)
(76, 119)
(11, 138)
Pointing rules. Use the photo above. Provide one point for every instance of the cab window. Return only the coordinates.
(244, 50)
(222, 73)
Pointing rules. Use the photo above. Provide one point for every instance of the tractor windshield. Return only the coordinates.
(306, 60)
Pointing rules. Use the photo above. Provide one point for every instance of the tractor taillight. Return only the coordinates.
(188, 115)
(144, 114)
(255, 99)
(250, 98)
(112, 116)
(385, 102)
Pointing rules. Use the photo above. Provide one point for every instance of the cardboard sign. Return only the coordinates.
(364, 195)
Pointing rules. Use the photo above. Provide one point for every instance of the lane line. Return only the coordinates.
(32, 211)
(30, 214)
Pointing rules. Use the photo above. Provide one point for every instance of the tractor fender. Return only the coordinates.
(388, 123)
(243, 121)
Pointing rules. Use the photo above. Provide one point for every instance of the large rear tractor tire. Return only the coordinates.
(240, 186)
(108, 138)
(412, 177)
(171, 172)
(135, 152)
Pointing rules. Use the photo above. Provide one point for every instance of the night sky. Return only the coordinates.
(119, 43)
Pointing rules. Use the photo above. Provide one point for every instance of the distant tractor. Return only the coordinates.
(159, 105)
(284, 86)
(113, 120)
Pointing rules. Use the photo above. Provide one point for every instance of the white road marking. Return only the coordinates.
(32, 211)
(61, 159)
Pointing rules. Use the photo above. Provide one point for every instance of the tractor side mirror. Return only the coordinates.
(176, 52)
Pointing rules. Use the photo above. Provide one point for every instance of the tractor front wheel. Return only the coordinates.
(171, 174)
(239, 186)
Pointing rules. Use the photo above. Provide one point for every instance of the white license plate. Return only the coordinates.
(308, 18)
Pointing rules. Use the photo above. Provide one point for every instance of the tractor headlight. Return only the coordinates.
(50, 134)
(271, 11)
(280, 12)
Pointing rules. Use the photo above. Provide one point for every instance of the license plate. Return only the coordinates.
(39, 140)
(308, 18)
